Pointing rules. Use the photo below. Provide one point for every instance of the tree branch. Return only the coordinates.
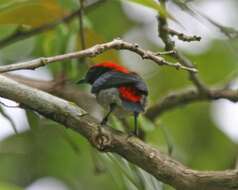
(107, 139)
(174, 100)
(61, 89)
(87, 102)
(170, 45)
(81, 31)
(81, 26)
(183, 36)
(92, 52)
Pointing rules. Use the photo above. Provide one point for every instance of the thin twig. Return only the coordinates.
(81, 26)
(116, 44)
(81, 31)
(230, 32)
(183, 36)
(166, 52)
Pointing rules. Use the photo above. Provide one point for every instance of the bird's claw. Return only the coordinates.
(103, 122)
(132, 134)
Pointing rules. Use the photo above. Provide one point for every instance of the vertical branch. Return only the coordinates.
(170, 45)
(81, 30)
(81, 27)
(162, 28)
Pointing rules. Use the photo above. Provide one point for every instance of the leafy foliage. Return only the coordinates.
(28, 12)
(47, 149)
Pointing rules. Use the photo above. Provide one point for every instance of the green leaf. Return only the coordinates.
(117, 123)
(117, 24)
(121, 167)
(7, 29)
(29, 12)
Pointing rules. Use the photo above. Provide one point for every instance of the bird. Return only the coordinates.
(118, 90)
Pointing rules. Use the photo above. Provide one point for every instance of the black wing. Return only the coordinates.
(114, 79)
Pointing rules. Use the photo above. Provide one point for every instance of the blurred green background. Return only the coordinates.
(45, 155)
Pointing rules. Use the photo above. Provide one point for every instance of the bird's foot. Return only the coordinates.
(132, 134)
(103, 122)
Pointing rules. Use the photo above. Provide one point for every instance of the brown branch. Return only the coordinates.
(87, 102)
(116, 44)
(107, 139)
(61, 89)
(230, 32)
(189, 96)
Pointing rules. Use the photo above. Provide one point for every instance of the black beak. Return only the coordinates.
(82, 81)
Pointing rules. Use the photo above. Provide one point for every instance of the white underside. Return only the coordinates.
(110, 96)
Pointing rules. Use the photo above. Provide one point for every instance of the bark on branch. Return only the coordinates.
(87, 102)
(134, 150)
(116, 44)
(183, 36)
(177, 99)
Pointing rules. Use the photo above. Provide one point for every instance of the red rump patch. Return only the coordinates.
(113, 66)
(129, 94)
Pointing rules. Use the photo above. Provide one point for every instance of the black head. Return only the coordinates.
(93, 74)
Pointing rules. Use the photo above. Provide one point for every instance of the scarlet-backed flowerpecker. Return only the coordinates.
(117, 89)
